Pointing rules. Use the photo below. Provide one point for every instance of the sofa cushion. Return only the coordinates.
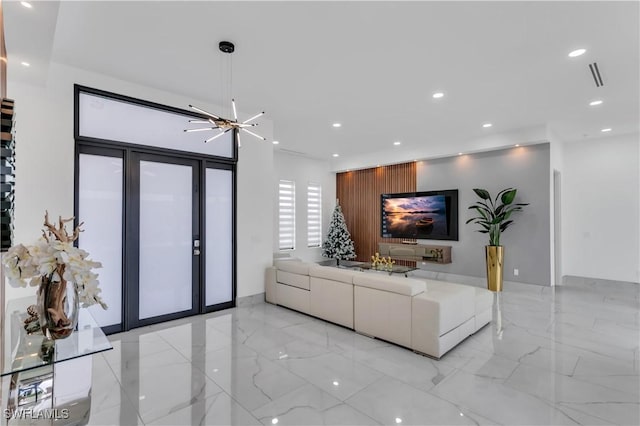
(382, 314)
(331, 273)
(332, 301)
(295, 280)
(293, 297)
(293, 266)
(400, 285)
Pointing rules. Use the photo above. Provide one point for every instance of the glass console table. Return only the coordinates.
(366, 266)
(395, 269)
(46, 381)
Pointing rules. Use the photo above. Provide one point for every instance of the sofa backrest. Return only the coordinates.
(393, 284)
(332, 273)
(293, 266)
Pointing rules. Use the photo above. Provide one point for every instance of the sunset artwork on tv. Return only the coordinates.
(420, 216)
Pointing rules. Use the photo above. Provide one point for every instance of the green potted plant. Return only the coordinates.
(494, 218)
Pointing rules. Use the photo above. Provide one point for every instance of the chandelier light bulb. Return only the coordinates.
(577, 52)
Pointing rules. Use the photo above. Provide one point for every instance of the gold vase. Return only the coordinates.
(495, 259)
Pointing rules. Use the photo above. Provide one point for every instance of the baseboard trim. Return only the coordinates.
(254, 299)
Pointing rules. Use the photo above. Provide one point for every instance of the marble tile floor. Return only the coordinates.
(562, 356)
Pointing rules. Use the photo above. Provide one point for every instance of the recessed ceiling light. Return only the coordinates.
(336, 155)
(516, 145)
(487, 125)
(274, 421)
(577, 52)
(26, 4)
(377, 165)
(459, 153)
(437, 95)
(607, 129)
(398, 420)
(595, 103)
(336, 383)
(25, 64)
(276, 142)
(396, 143)
(337, 125)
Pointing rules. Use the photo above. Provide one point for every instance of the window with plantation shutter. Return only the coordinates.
(287, 215)
(314, 215)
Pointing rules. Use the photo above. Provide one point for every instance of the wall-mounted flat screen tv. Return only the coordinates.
(428, 215)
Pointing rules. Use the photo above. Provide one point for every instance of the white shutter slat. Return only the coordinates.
(314, 215)
(286, 215)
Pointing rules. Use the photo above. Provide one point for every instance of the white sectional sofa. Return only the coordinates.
(430, 317)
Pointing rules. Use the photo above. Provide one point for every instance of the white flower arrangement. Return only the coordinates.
(57, 259)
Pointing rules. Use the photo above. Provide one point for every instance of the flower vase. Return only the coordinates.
(58, 306)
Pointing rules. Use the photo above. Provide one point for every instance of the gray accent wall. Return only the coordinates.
(527, 241)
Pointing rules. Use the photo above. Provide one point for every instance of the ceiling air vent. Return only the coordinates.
(595, 72)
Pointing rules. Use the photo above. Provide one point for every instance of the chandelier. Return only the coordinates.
(225, 125)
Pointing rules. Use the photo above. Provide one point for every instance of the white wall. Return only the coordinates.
(600, 208)
(45, 166)
(303, 170)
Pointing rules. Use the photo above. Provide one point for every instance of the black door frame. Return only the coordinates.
(126, 151)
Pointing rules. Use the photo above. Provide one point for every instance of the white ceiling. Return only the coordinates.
(370, 65)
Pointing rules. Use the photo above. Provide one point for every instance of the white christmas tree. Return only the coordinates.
(338, 244)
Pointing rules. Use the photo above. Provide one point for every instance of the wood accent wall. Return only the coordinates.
(359, 195)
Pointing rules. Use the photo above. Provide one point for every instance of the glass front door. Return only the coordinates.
(168, 244)
(158, 207)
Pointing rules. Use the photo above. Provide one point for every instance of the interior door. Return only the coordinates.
(165, 212)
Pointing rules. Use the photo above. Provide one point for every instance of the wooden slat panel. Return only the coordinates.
(359, 195)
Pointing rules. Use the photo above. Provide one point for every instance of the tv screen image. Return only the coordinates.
(421, 215)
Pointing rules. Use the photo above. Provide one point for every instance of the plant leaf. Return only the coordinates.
(509, 196)
(505, 225)
(482, 193)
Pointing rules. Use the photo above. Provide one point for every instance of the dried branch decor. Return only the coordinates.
(53, 259)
